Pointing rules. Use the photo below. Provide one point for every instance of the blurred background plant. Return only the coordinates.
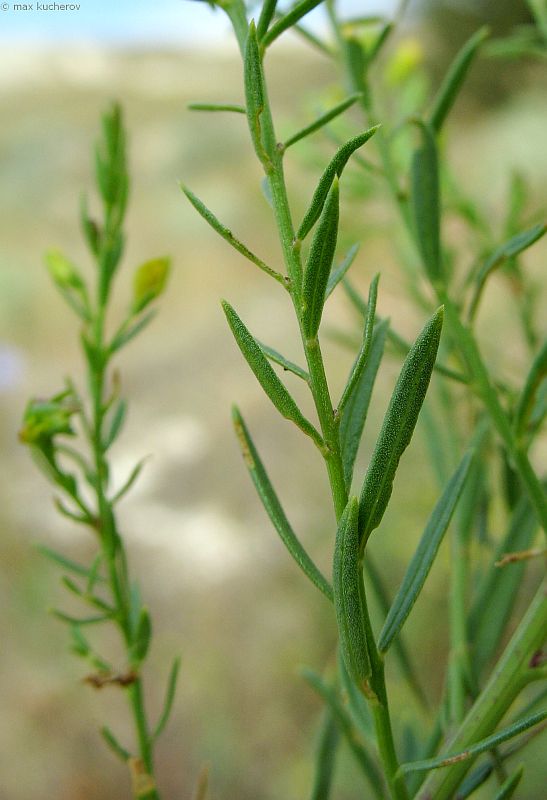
(193, 526)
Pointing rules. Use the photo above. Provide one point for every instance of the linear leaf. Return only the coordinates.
(228, 236)
(349, 596)
(452, 83)
(289, 19)
(475, 749)
(398, 426)
(114, 744)
(273, 507)
(509, 249)
(116, 424)
(358, 706)
(128, 330)
(66, 563)
(266, 376)
(254, 92)
(266, 15)
(325, 758)
(278, 358)
(425, 202)
(319, 264)
(357, 404)
(332, 699)
(216, 107)
(508, 788)
(334, 168)
(323, 120)
(423, 558)
(339, 272)
(498, 588)
(534, 379)
(169, 698)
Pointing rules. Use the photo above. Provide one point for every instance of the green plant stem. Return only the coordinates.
(113, 551)
(329, 427)
(376, 695)
(506, 682)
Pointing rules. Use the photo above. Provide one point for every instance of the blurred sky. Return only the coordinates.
(134, 22)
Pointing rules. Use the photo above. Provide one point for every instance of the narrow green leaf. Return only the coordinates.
(349, 596)
(319, 264)
(60, 615)
(425, 202)
(254, 93)
(79, 644)
(169, 698)
(266, 15)
(398, 426)
(289, 19)
(337, 274)
(364, 351)
(127, 331)
(356, 407)
(228, 236)
(358, 706)
(323, 120)
(66, 563)
(497, 590)
(452, 83)
(273, 507)
(288, 366)
(266, 376)
(90, 228)
(527, 399)
(344, 721)
(513, 247)
(423, 558)
(509, 787)
(325, 758)
(133, 475)
(114, 744)
(334, 168)
(475, 749)
(116, 424)
(312, 39)
(216, 107)
(141, 643)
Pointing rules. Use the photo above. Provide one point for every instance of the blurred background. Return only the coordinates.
(221, 589)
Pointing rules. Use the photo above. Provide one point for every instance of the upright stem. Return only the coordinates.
(325, 411)
(113, 551)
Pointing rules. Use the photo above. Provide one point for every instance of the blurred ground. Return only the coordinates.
(221, 589)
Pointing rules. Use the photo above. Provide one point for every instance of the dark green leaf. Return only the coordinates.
(274, 508)
(141, 643)
(475, 749)
(116, 424)
(423, 558)
(285, 22)
(425, 202)
(227, 234)
(266, 376)
(534, 379)
(452, 83)
(349, 597)
(323, 120)
(169, 698)
(337, 274)
(398, 426)
(254, 92)
(334, 168)
(319, 264)
(517, 244)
